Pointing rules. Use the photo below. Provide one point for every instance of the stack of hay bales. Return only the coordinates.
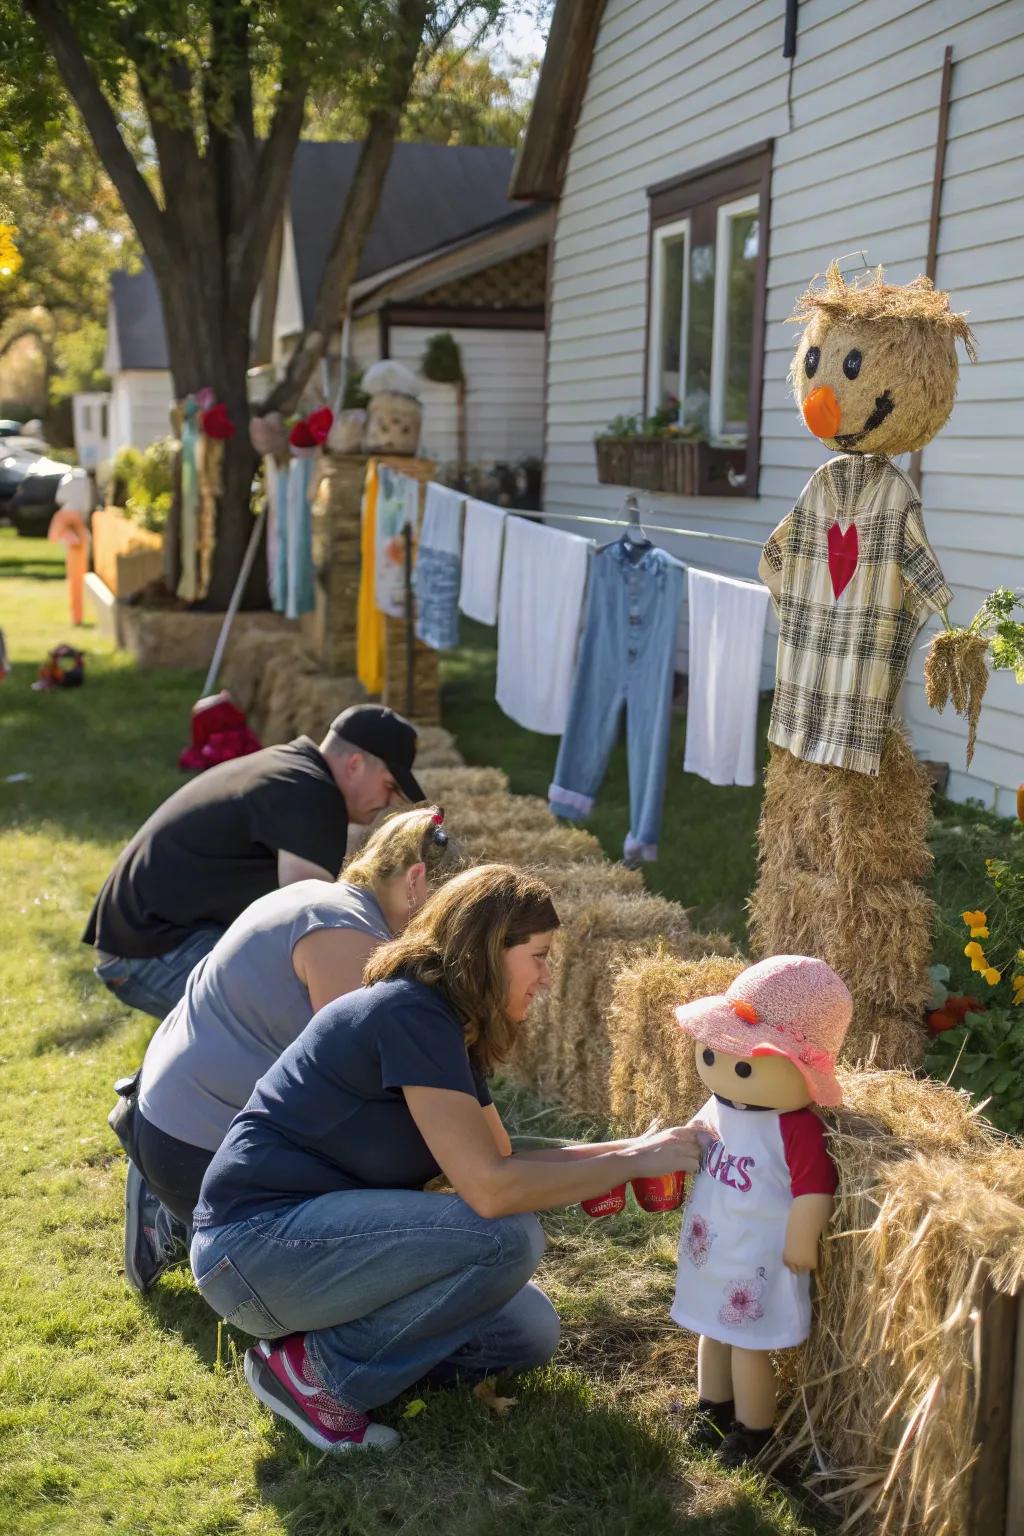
(841, 855)
(282, 688)
(887, 1398)
(330, 630)
(425, 702)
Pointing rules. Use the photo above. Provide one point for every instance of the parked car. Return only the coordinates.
(10, 428)
(34, 500)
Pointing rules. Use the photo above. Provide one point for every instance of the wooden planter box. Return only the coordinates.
(677, 466)
(124, 556)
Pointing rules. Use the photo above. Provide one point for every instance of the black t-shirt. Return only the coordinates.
(330, 1114)
(212, 848)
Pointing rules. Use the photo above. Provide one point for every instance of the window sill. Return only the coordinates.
(675, 466)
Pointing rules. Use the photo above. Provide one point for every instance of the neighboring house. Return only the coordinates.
(702, 179)
(447, 252)
(141, 393)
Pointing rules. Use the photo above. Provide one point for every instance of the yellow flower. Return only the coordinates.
(992, 976)
(1017, 983)
(979, 933)
(974, 951)
(974, 919)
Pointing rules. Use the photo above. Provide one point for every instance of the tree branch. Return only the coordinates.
(270, 182)
(45, 342)
(139, 203)
(359, 211)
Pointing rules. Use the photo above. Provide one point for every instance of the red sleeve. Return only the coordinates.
(811, 1170)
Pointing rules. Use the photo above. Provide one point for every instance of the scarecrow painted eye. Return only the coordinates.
(851, 364)
(708, 1058)
(811, 361)
(743, 1069)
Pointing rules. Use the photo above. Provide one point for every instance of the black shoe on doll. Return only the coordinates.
(742, 1445)
(710, 1424)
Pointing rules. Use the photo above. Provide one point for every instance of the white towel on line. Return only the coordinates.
(442, 520)
(727, 619)
(542, 585)
(481, 560)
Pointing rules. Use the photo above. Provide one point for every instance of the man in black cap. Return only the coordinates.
(234, 833)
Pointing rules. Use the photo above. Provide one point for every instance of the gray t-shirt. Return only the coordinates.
(243, 1006)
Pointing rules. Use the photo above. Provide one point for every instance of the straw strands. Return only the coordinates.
(879, 1405)
(956, 668)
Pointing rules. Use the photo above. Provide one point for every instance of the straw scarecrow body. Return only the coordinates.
(853, 578)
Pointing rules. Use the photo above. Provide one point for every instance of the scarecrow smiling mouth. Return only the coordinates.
(822, 413)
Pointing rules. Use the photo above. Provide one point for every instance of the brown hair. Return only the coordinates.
(872, 298)
(405, 839)
(456, 943)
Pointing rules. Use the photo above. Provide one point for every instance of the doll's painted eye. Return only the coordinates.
(708, 1058)
(851, 364)
(743, 1069)
(811, 361)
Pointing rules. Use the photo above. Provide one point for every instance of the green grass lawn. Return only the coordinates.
(708, 849)
(115, 1413)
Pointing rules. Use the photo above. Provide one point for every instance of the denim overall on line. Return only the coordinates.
(627, 657)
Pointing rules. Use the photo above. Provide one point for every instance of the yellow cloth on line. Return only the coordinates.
(369, 621)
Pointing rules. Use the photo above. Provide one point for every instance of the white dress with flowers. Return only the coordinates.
(732, 1284)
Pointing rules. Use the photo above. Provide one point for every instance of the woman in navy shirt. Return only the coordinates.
(313, 1230)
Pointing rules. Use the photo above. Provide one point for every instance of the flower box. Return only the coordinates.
(676, 466)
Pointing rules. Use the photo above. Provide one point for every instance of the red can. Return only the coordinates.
(606, 1205)
(663, 1193)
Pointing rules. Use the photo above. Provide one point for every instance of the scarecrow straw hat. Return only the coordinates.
(875, 370)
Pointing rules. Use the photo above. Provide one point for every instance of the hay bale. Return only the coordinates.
(652, 1071)
(566, 1046)
(833, 822)
(878, 937)
(577, 882)
(436, 748)
(886, 1041)
(529, 850)
(454, 786)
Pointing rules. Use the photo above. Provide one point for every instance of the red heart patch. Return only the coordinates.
(843, 549)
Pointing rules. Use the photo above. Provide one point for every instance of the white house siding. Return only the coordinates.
(677, 85)
(504, 390)
(140, 403)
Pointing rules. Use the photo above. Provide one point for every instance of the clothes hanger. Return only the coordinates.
(628, 538)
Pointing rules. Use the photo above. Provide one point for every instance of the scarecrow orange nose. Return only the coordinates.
(821, 412)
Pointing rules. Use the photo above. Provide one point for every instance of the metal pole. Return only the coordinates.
(410, 637)
(933, 223)
(236, 598)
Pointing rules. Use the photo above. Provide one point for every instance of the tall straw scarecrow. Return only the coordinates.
(853, 578)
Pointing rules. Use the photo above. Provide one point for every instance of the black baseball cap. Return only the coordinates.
(381, 732)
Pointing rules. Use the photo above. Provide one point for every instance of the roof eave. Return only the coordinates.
(539, 168)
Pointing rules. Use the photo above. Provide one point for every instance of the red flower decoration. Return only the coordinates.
(216, 423)
(320, 423)
(438, 817)
(300, 436)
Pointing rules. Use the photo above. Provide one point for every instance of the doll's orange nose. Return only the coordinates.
(821, 412)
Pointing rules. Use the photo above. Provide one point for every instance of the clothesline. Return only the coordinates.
(682, 533)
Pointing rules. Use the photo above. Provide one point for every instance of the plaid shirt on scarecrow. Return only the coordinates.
(853, 578)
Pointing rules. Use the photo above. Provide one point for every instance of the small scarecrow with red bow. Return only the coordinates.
(766, 1049)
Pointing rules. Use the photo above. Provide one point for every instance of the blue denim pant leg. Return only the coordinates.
(649, 703)
(156, 983)
(386, 1285)
(598, 693)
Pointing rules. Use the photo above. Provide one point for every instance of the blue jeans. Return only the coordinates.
(156, 983)
(627, 657)
(388, 1285)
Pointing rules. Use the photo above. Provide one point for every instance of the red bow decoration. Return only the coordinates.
(438, 817)
(745, 1011)
(311, 431)
(216, 423)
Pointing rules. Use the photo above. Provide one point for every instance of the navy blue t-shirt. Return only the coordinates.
(330, 1114)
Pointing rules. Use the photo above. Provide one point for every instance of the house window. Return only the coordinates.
(708, 261)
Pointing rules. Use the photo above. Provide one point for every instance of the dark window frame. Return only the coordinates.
(697, 197)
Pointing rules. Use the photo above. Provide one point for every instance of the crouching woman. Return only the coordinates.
(313, 1230)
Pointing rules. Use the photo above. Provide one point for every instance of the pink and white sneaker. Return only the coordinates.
(281, 1375)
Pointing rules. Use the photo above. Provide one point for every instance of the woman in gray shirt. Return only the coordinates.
(287, 955)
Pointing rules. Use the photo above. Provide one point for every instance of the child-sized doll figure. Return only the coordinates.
(766, 1049)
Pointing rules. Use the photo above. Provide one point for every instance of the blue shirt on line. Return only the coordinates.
(330, 1113)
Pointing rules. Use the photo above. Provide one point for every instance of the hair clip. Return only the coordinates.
(438, 816)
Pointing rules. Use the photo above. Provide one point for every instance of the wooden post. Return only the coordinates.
(996, 1355)
(931, 261)
(1015, 1493)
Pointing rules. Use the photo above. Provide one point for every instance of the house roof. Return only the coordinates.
(544, 151)
(136, 323)
(434, 195)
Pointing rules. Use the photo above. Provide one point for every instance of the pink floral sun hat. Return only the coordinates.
(790, 1005)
